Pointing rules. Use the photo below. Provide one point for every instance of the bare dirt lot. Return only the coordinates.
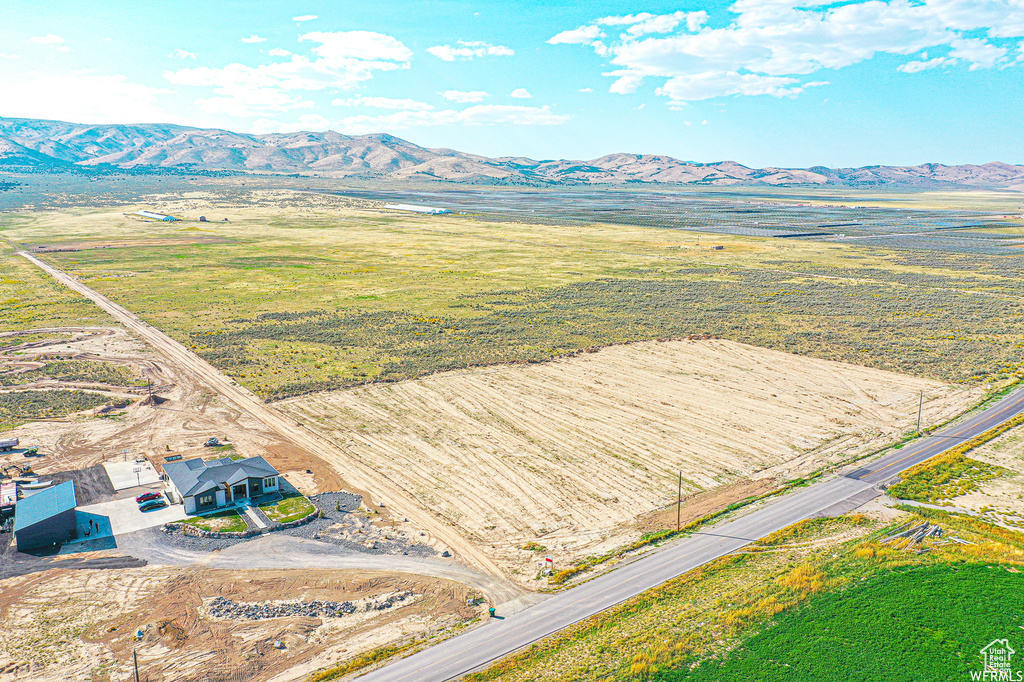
(569, 454)
(187, 413)
(81, 625)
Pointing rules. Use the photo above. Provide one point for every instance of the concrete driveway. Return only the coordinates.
(125, 516)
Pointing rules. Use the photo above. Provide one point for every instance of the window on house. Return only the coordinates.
(270, 482)
(206, 500)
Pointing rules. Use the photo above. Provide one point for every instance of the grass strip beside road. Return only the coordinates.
(951, 473)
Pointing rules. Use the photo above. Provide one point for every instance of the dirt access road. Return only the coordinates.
(353, 471)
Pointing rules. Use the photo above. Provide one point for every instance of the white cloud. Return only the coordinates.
(628, 81)
(469, 50)
(266, 126)
(81, 97)
(305, 17)
(980, 53)
(521, 93)
(924, 64)
(48, 39)
(278, 52)
(254, 39)
(182, 54)
(481, 114)
(586, 89)
(692, 87)
(464, 97)
(64, 48)
(8, 56)
(370, 47)
(770, 44)
(341, 61)
(577, 36)
(383, 103)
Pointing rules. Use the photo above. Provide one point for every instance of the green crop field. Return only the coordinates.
(292, 296)
(793, 598)
(926, 623)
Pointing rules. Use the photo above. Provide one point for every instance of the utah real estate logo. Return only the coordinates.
(997, 663)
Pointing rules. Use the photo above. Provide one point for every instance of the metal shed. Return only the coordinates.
(46, 518)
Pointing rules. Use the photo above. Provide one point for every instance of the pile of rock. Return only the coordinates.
(318, 608)
(386, 602)
(226, 608)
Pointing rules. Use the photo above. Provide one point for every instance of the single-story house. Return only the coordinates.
(46, 518)
(204, 486)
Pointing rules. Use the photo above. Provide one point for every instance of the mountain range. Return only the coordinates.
(33, 144)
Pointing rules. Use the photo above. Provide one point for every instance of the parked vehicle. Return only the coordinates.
(8, 444)
(152, 504)
(212, 442)
(145, 497)
(32, 452)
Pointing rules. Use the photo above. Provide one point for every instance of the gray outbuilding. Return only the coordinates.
(46, 518)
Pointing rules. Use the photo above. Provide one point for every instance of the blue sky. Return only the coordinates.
(761, 82)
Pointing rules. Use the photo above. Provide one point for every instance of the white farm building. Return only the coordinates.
(413, 208)
(156, 216)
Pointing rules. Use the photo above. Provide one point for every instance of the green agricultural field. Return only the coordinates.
(305, 296)
(926, 623)
(790, 599)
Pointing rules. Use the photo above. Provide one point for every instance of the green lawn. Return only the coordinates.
(223, 522)
(926, 623)
(291, 508)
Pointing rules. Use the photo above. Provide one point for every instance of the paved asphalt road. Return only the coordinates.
(889, 466)
(500, 637)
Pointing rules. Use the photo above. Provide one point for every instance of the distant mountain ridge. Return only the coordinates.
(41, 144)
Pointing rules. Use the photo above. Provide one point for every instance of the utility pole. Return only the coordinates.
(135, 657)
(920, 407)
(679, 502)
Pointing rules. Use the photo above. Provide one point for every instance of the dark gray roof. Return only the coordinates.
(194, 476)
(44, 504)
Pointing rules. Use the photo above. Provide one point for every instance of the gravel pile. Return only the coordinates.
(226, 608)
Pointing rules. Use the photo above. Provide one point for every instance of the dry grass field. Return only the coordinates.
(301, 292)
(569, 454)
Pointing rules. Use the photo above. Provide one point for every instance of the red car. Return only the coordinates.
(145, 497)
